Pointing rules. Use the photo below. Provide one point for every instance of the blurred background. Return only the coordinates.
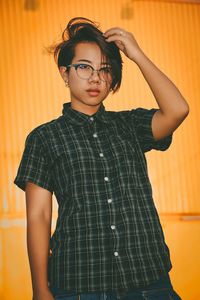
(32, 92)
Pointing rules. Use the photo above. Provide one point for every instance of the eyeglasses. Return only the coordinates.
(85, 71)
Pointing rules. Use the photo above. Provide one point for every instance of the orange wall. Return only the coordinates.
(32, 92)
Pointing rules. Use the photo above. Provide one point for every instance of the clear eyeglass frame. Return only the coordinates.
(85, 71)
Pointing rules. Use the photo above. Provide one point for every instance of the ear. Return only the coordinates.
(63, 73)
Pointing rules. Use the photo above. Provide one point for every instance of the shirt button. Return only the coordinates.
(112, 227)
(101, 154)
(116, 253)
(109, 200)
(91, 119)
(95, 135)
(106, 178)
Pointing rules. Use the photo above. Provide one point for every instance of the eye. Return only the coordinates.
(84, 67)
(106, 70)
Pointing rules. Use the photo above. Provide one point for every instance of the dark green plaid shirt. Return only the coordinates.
(108, 235)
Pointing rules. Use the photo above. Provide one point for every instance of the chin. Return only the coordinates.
(93, 101)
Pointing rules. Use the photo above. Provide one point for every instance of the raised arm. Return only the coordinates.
(173, 108)
(39, 214)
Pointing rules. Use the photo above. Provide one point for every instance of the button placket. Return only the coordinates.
(95, 136)
(106, 179)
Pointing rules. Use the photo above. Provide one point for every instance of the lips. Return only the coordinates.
(93, 92)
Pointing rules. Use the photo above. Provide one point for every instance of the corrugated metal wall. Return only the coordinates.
(32, 91)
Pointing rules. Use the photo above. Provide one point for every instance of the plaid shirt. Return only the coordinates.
(108, 235)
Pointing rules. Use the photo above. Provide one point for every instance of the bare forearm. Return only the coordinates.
(168, 97)
(38, 236)
(173, 108)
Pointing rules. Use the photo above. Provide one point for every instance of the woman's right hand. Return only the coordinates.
(39, 215)
(45, 295)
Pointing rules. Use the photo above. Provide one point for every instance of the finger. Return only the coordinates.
(120, 45)
(114, 30)
(115, 37)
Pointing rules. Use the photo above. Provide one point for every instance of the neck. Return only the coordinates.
(87, 110)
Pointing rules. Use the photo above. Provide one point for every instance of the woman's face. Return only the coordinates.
(87, 94)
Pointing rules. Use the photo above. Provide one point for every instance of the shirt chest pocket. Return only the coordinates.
(73, 164)
(124, 151)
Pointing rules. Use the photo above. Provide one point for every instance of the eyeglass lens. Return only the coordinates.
(86, 71)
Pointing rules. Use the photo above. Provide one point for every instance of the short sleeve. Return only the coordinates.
(142, 122)
(34, 165)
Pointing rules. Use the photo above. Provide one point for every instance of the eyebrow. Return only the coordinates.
(88, 61)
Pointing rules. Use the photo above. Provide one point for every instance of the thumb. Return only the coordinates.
(120, 45)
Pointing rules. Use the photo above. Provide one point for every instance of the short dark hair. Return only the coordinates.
(84, 30)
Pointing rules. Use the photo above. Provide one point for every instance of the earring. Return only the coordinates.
(67, 83)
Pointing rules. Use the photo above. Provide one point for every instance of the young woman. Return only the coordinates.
(108, 242)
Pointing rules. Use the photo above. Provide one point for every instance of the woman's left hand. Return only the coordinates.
(124, 40)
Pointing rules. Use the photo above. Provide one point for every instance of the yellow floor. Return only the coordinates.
(182, 236)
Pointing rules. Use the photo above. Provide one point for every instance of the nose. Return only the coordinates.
(95, 76)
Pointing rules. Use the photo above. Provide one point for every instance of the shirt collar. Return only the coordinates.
(79, 118)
